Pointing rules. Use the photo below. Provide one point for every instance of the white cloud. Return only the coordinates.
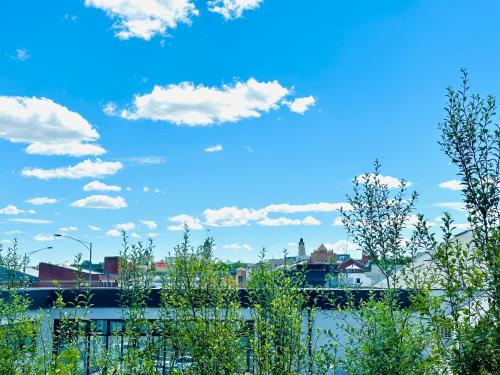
(451, 185)
(277, 222)
(21, 54)
(49, 128)
(343, 246)
(11, 232)
(187, 104)
(13, 210)
(337, 222)
(100, 186)
(282, 221)
(84, 169)
(455, 206)
(68, 229)
(412, 220)
(125, 226)
(146, 160)
(43, 237)
(147, 189)
(113, 233)
(38, 201)
(300, 105)
(235, 246)
(31, 221)
(235, 216)
(100, 202)
(232, 216)
(69, 17)
(6, 242)
(150, 224)
(70, 148)
(391, 182)
(192, 222)
(309, 220)
(109, 109)
(94, 228)
(145, 18)
(231, 9)
(311, 207)
(215, 148)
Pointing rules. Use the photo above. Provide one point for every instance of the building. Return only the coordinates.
(111, 271)
(111, 265)
(107, 315)
(352, 266)
(323, 256)
(161, 266)
(240, 275)
(317, 275)
(63, 276)
(341, 258)
(27, 277)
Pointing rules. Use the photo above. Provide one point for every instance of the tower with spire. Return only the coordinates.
(302, 248)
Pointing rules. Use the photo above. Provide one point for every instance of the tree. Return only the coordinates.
(468, 267)
(386, 337)
(278, 318)
(200, 312)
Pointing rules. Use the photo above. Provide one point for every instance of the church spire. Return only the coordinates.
(302, 248)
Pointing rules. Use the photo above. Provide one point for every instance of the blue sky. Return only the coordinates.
(294, 100)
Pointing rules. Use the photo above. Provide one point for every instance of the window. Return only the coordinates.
(358, 281)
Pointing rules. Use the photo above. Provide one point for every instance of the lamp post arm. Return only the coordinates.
(88, 246)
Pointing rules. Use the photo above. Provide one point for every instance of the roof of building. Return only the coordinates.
(84, 270)
(350, 262)
(322, 247)
(323, 298)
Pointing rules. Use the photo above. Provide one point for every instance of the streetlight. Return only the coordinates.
(88, 246)
(29, 254)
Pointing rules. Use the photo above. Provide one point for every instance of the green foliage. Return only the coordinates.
(385, 340)
(278, 320)
(200, 311)
(468, 268)
(136, 277)
(377, 221)
(384, 337)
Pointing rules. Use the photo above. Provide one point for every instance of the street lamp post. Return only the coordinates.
(29, 254)
(88, 246)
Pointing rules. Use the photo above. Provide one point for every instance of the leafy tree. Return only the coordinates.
(467, 267)
(138, 348)
(383, 336)
(278, 344)
(200, 312)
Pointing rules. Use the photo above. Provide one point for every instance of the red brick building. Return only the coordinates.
(65, 276)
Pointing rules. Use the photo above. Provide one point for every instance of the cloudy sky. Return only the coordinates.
(245, 118)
